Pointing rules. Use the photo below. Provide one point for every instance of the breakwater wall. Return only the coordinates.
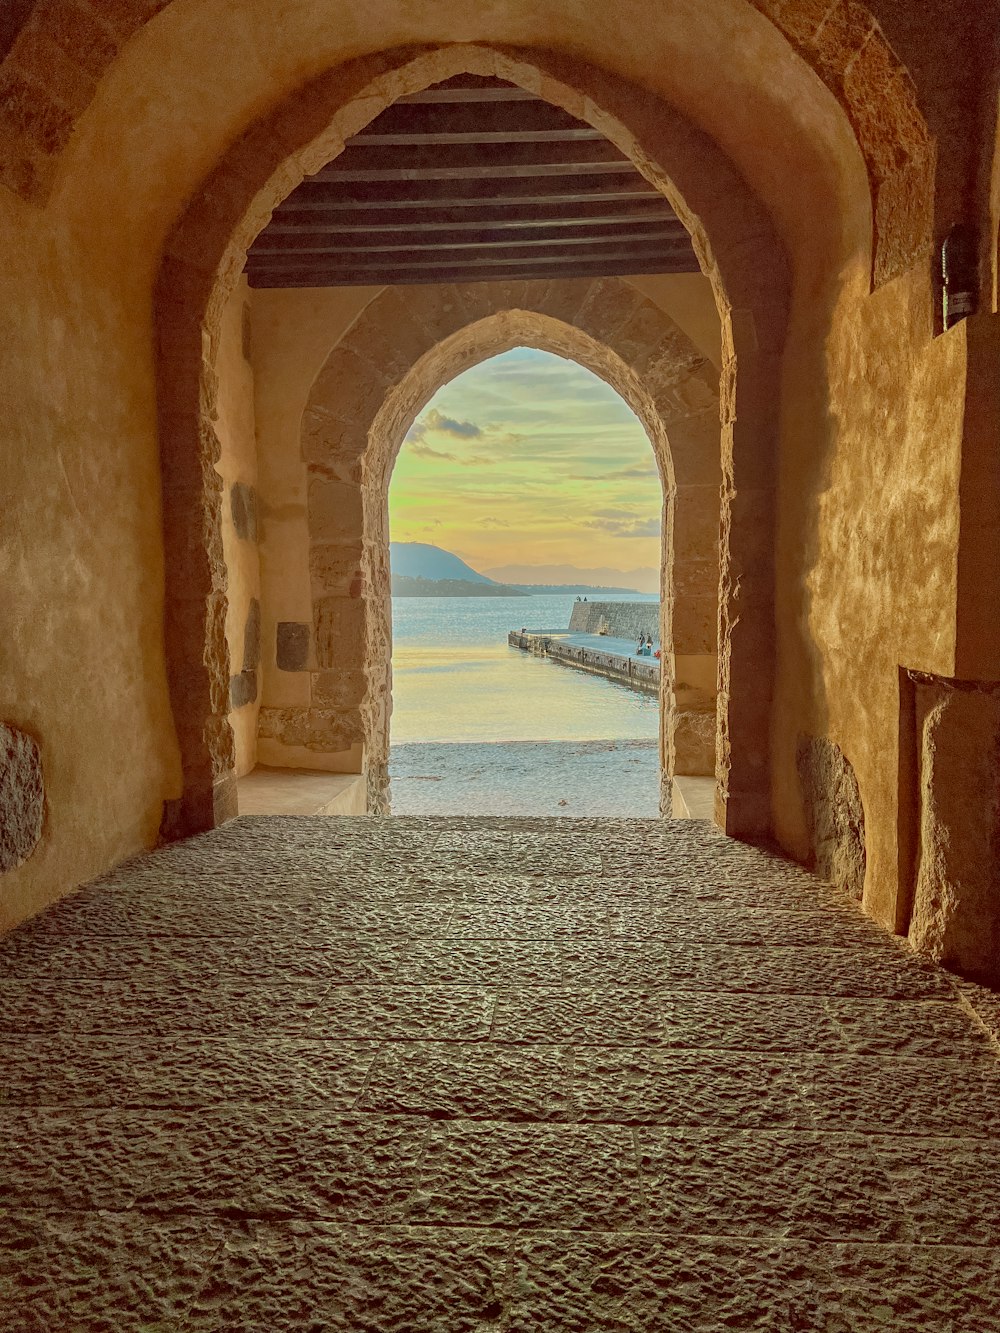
(639, 673)
(622, 620)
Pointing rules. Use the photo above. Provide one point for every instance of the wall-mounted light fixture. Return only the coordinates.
(960, 274)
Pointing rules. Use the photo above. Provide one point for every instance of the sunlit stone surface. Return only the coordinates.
(469, 1074)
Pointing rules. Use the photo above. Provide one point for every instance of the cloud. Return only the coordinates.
(635, 470)
(436, 422)
(420, 450)
(624, 527)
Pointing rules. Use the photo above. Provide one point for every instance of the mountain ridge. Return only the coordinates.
(421, 560)
(644, 580)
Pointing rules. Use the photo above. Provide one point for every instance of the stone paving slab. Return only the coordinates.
(60, 1069)
(470, 1074)
(773, 1183)
(126, 1272)
(101, 1272)
(157, 1003)
(576, 1283)
(238, 1161)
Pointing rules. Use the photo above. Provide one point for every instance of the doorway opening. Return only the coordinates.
(524, 504)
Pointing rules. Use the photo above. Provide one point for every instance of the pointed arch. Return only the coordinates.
(737, 247)
(404, 346)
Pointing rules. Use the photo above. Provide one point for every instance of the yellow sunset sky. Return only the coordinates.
(529, 459)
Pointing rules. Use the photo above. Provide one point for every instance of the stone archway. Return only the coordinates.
(54, 54)
(405, 345)
(744, 259)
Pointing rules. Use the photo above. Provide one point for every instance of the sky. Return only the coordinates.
(528, 458)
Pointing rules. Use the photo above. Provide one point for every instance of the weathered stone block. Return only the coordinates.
(30, 109)
(292, 645)
(904, 209)
(340, 628)
(835, 814)
(82, 36)
(696, 623)
(338, 689)
(335, 569)
(243, 689)
(694, 734)
(251, 637)
(330, 442)
(45, 62)
(324, 729)
(335, 509)
(351, 386)
(956, 911)
(22, 796)
(840, 41)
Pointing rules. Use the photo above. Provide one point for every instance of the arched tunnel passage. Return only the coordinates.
(744, 801)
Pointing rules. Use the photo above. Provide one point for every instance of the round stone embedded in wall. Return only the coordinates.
(22, 796)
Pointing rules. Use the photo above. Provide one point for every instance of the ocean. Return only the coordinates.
(456, 680)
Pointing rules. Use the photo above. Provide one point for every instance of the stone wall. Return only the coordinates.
(293, 333)
(835, 814)
(623, 620)
(237, 466)
(956, 907)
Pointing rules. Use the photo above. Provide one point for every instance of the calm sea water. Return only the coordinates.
(455, 678)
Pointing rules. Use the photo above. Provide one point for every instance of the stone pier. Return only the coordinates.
(602, 655)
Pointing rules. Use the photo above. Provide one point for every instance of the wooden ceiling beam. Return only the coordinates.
(497, 156)
(414, 120)
(362, 242)
(482, 136)
(476, 171)
(320, 277)
(557, 255)
(454, 91)
(326, 197)
(516, 218)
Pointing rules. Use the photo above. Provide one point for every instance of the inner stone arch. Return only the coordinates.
(354, 425)
(739, 251)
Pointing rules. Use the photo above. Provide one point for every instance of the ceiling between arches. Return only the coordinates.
(471, 180)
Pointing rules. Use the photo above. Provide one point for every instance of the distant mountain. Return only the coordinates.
(404, 586)
(561, 589)
(542, 577)
(418, 560)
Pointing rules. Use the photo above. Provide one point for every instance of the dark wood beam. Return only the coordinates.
(480, 136)
(514, 218)
(320, 277)
(421, 159)
(483, 170)
(555, 255)
(321, 242)
(325, 197)
(415, 121)
(471, 88)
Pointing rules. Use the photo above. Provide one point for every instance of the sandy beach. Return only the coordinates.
(571, 778)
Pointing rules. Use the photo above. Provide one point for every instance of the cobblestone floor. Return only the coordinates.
(472, 1074)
